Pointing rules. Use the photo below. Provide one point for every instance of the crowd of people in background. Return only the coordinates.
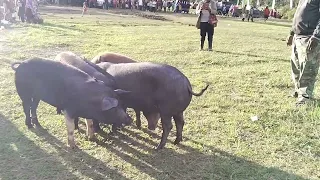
(184, 6)
(27, 10)
(179, 6)
(24, 10)
(248, 12)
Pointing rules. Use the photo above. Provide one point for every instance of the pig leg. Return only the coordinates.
(76, 123)
(90, 132)
(152, 118)
(138, 122)
(59, 111)
(179, 121)
(115, 127)
(26, 108)
(34, 116)
(96, 126)
(70, 129)
(166, 128)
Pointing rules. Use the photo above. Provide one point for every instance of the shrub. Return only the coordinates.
(287, 12)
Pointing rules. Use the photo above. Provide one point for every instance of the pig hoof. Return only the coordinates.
(97, 130)
(29, 126)
(39, 126)
(115, 129)
(177, 141)
(92, 139)
(73, 147)
(159, 147)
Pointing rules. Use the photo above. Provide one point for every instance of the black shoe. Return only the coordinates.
(302, 101)
(294, 94)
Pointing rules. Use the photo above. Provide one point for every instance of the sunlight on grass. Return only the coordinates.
(249, 75)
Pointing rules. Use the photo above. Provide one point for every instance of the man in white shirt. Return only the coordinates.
(140, 4)
(164, 4)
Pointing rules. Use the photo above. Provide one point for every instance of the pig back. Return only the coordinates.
(47, 79)
(76, 61)
(152, 84)
(112, 58)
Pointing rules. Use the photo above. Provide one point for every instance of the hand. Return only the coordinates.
(312, 44)
(289, 40)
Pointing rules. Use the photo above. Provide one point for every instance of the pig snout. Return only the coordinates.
(152, 127)
(128, 120)
(125, 119)
(152, 119)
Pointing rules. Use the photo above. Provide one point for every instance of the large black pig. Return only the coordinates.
(68, 88)
(155, 88)
(116, 58)
(76, 61)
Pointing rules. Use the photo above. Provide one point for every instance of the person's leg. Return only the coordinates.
(210, 31)
(28, 15)
(295, 68)
(23, 14)
(202, 34)
(309, 66)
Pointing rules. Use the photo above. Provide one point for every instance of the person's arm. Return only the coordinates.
(291, 32)
(213, 7)
(316, 32)
(198, 9)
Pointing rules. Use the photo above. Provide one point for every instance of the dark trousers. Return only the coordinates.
(250, 17)
(206, 29)
(21, 13)
(29, 15)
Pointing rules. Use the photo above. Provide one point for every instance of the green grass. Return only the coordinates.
(249, 73)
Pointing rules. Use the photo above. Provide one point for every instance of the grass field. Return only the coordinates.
(249, 73)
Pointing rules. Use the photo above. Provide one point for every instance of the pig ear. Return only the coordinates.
(108, 103)
(120, 91)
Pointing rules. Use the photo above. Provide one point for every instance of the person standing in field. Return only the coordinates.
(266, 13)
(231, 10)
(164, 4)
(304, 38)
(244, 12)
(21, 4)
(84, 8)
(250, 16)
(205, 9)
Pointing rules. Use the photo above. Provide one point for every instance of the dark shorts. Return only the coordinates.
(206, 28)
(266, 16)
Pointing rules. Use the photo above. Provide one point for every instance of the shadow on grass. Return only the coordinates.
(253, 55)
(192, 164)
(59, 26)
(273, 24)
(20, 158)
